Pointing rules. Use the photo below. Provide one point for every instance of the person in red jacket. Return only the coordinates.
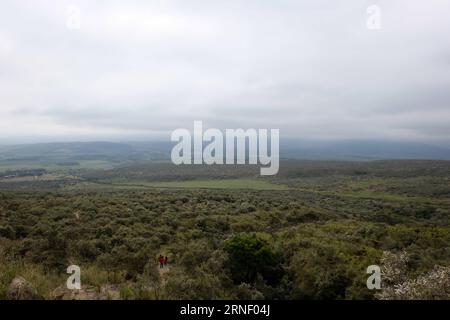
(161, 261)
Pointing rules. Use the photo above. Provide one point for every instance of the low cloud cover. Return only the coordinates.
(140, 69)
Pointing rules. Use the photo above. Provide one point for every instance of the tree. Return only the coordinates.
(249, 256)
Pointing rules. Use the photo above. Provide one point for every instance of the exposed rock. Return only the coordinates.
(87, 293)
(20, 289)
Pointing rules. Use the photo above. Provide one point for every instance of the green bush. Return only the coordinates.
(249, 256)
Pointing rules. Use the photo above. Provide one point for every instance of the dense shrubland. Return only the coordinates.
(313, 241)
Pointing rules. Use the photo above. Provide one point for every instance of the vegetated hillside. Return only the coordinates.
(311, 240)
(288, 169)
(167, 171)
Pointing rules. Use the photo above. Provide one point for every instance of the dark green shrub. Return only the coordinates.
(250, 256)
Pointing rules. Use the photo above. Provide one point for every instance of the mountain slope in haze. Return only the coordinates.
(361, 150)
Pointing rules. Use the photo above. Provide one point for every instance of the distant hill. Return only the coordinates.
(289, 149)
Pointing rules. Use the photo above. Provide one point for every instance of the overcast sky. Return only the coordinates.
(139, 69)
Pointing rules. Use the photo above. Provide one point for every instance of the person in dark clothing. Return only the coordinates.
(165, 261)
(161, 261)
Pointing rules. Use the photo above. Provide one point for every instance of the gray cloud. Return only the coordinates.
(310, 68)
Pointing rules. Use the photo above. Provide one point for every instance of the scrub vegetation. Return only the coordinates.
(308, 233)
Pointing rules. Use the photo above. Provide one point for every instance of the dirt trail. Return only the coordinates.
(163, 274)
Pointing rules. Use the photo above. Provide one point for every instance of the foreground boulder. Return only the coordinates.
(21, 289)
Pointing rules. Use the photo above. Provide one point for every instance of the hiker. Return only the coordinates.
(165, 261)
(161, 261)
